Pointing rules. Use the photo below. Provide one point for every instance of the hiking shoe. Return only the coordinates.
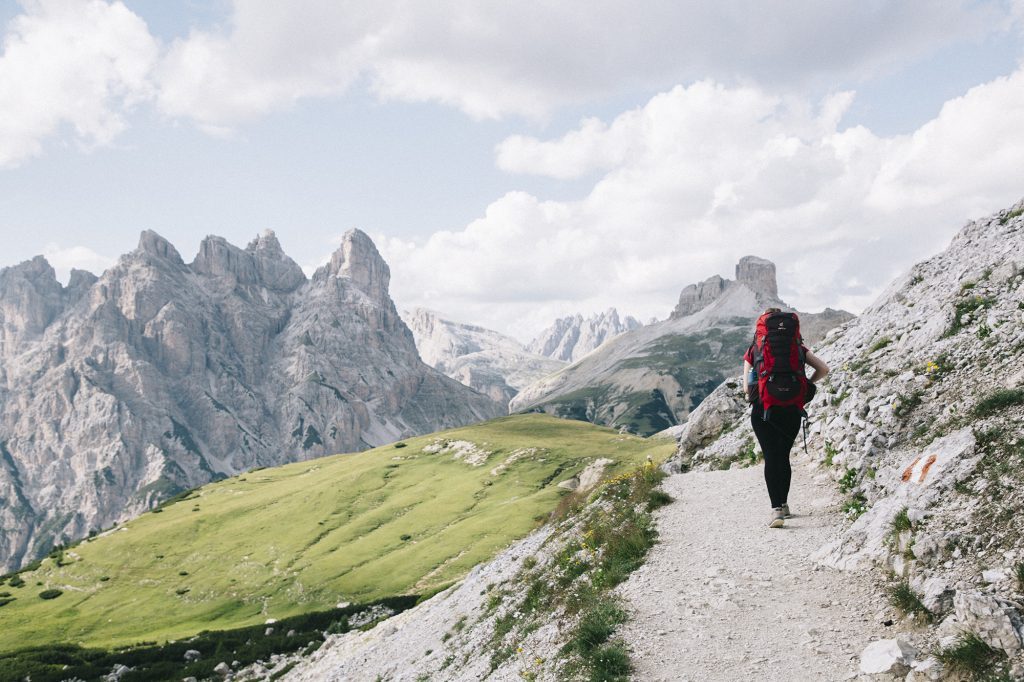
(786, 512)
(778, 518)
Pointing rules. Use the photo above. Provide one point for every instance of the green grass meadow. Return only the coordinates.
(274, 543)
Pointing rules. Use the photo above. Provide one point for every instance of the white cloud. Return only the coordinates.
(527, 58)
(703, 175)
(83, 63)
(70, 63)
(64, 259)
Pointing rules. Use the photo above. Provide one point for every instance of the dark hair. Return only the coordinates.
(768, 311)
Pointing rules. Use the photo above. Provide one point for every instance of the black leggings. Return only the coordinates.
(776, 437)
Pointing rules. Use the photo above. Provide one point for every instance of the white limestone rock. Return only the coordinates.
(571, 338)
(993, 620)
(485, 360)
(119, 391)
(892, 656)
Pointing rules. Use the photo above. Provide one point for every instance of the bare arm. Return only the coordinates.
(746, 370)
(820, 368)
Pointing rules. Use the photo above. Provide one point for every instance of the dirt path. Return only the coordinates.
(723, 597)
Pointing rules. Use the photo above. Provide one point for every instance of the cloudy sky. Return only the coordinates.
(517, 161)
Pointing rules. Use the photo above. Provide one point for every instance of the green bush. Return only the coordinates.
(50, 594)
(16, 581)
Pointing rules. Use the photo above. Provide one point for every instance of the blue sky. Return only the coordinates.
(515, 164)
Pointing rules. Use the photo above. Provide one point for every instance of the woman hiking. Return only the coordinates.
(777, 388)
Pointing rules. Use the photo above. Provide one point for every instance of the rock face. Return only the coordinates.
(921, 424)
(117, 392)
(489, 362)
(652, 377)
(571, 338)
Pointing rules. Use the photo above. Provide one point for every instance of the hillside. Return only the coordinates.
(652, 377)
(118, 391)
(402, 518)
(920, 427)
(904, 560)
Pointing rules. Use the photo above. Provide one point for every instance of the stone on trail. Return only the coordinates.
(887, 656)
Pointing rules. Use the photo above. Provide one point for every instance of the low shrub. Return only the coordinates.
(16, 581)
(50, 594)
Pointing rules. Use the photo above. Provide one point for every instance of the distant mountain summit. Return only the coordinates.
(651, 377)
(570, 338)
(119, 391)
(756, 274)
(490, 362)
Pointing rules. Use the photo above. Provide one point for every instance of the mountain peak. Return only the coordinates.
(759, 275)
(266, 245)
(153, 244)
(262, 262)
(572, 337)
(358, 260)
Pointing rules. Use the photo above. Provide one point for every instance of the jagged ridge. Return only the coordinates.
(118, 391)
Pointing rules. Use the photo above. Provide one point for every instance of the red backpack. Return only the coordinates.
(778, 358)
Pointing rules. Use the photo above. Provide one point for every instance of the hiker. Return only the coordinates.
(777, 388)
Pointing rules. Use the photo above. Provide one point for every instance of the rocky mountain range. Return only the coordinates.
(571, 338)
(485, 360)
(650, 378)
(118, 391)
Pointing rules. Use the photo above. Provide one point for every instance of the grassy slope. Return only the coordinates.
(698, 362)
(277, 542)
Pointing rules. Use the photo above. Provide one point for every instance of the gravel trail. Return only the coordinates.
(724, 597)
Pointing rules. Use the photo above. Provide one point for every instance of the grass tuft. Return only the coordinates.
(610, 663)
(901, 522)
(596, 627)
(908, 603)
(970, 655)
(880, 344)
(999, 400)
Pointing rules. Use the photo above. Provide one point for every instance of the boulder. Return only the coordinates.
(994, 620)
(892, 656)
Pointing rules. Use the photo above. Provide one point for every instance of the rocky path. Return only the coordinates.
(723, 597)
